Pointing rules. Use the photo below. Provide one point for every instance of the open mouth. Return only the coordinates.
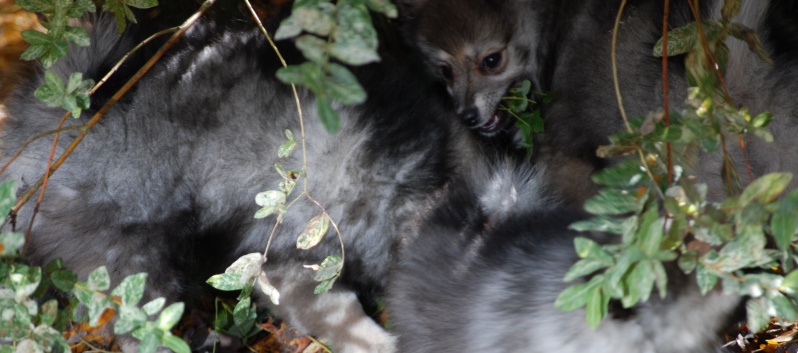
(495, 123)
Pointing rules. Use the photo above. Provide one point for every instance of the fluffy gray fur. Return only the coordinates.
(488, 262)
(568, 45)
(166, 182)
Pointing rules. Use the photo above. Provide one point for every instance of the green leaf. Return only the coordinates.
(7, 198)
(43, 46)
(583, 267)
(176, 344)
(680, 41)
(313, 48)
(49, 312)
(343, 87)
(575, 296)
(749, 36)
(355, 39)
(289, 28)
(169, 317)
(612, 202)
(790, 283)
(131, 289)
(308, 74)
(99, 280)
(315, 18)
(149, 341)
(314, 232)
(627, 173)
(121, 10)
(154, 306)
(783, 223)
(596, 306)
(226, 281)
(142, 4)
(97, 305)
(271, 201)
(80, 7)
(650, 232)
(73, 97)
(44, 6)
(588, 249)
(383, 6)
(730, 9)
(330, 268)
(765, 189)
(639, 283)
(130, 318)
(660, 278)
(77, 36)
(329, 117)
(706, 279)
(757, 314)
(688, 261)
(288, 147)
(11, 242)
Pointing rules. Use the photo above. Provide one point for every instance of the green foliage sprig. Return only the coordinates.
(745, 244)
(48, 47)
(340, 30)
(519, 102)
(28, 325)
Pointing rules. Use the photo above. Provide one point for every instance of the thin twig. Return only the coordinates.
(44, 183)
(32, 140)
(124, 58)
(613, 53)
(304, 146)
(115, 98)
(665, 88)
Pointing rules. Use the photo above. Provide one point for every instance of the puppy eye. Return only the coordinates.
(446, 71)
(491, 62)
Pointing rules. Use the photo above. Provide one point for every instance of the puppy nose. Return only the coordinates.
(470, 117)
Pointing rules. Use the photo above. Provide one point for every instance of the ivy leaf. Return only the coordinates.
(74, 96)
(783, 223)
(99, 280)
(175, 343)
(314, 232)
(328, 116)
(612, 202)
(758, 317)
(765, 188)
(122, 13)
(271, 201)
(43, 46)
(596, 306)
(288, 147)
(169, 316)
(575, 296)
(154, 305)
(313, 48)
(131, 289)
(383, 6)
(327, 273)
(343, 87)
(10, 242)
(355, 39)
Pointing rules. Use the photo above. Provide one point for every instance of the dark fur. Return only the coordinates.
(487, 264)
(570, 43)
(166, 182)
